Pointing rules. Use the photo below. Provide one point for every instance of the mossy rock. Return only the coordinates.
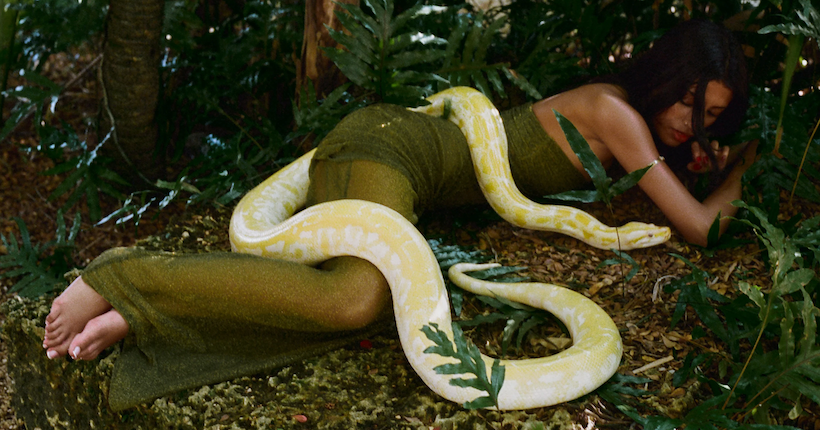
(51, 393)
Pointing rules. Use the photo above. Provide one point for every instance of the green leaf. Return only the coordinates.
(92, 200)
(522, 83)
(617, 392)
(486, 39)
(41, 97)
(364, 20)
(411, 58)
(661, 423)
(628, 181)
(695, 293)
(483, 319)
(809, 369)
(580, 147)
(479, 403)
(583, 196)
(604, 189)
(713, 236)
(454, 40)
(443, 346)
(360, 41)
(623, 258)
(402, 19)
(318, 118)
(794, 280)
(786, 344)
(808, 313)
(496, 274)
(809, 27)
(802, 385)
(526, 326)
(469, 362)
(381, 59)
(354, 68)
(754, 293)
(520, 318)
(472, 41)
(690, 364)
(40, 267)
(448, 255)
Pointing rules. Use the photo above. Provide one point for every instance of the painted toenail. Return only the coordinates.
(76, 352)
(51, 354)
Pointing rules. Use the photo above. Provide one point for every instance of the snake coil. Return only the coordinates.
(263, 223)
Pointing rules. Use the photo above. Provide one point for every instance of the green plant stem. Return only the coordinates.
(803, 161)
(618, 236)
(792, 57)
(752, 352)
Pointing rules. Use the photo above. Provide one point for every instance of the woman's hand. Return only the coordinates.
(701, 162)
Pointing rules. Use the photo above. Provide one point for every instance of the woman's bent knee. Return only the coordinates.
(361, 293)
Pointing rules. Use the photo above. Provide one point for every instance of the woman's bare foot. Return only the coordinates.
(70, 313)
(100, 333)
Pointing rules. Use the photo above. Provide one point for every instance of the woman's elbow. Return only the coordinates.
(695, 237)
(698, 232)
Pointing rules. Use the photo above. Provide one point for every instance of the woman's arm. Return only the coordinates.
(627, 136)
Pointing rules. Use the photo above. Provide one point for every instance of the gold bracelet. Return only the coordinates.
(658, 160)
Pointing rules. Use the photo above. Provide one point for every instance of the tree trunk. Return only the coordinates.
(314, 65)
(130, 77)
(8, 28)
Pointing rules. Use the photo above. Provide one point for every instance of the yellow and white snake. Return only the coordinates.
(263, 224)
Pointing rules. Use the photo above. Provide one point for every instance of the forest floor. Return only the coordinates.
(640, 306)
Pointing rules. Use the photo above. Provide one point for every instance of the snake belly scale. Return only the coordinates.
(264, 223)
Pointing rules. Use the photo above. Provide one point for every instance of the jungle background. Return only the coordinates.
(125, 120)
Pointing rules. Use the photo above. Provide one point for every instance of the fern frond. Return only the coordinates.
(469, 362)
(39, 270)
(318, 118)
(379, 50)
(468, 66)
(384, 55)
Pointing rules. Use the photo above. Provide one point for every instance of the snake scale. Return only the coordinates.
(264, 224)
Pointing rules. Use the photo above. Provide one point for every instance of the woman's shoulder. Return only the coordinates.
(593, 108)
(602, 99)
(588, 100)
(594, 92)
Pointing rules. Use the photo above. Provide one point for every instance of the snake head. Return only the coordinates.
(642, 235)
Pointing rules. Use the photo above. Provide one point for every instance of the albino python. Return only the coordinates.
(263, 223)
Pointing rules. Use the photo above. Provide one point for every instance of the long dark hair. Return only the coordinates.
(692, 53)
